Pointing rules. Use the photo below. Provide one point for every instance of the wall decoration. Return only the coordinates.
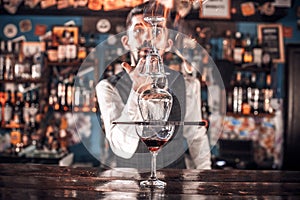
(271, 38)
(31, 3)
(97, 24)
(282, 3)
(12, 6)
(267, 9)
(10, 30)
(25, 25)
(61, 4)
(103, 25)
(61, 33)
(287, 32)
(40, 29)
(215, 9)
(248, 9)
(47, 3)
(95, 4)
(19, 39)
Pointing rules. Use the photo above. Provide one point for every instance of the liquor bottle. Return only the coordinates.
(247, 44)
(9, 47)
(95, 103)
(8, 108)
(237, 94)
(229, 94)
(17, 118)
(26, 108)
(266, 59)
(61, 93)
(81, 54)
(71, 49)
(3, 47)
(52, 97)
(86, 99)
(36, 67)
(246, 107)
(61, 49)
(36, 71)
(15, 139)
(77, 98)
(2, 67)
(34, 108)
(255, 92)
(27, 66)
(95, 4)
(257, 53)
(16, 48)
(8, 74)
(9, 62)
(26, 140)
(91, 47)
(238, 49)
(19, 66)
(228, 45)
(52, 51)
(64, 105)
(250, 90)
(1, 107)
(261, 100)
(268, 94)
(69, 91)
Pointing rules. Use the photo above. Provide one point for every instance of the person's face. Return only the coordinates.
(140, 36)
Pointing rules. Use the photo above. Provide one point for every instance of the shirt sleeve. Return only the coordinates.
(196, 137)
(123, 139)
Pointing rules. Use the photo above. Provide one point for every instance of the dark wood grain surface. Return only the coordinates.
(28, 181)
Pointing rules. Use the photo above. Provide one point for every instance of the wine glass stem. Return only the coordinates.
(153, 166)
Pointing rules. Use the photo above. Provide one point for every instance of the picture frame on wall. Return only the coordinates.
(212, 9)
(62, 34)
(270, 36)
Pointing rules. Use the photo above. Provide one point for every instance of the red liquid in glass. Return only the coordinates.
(154, 144)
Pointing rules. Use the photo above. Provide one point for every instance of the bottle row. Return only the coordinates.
(55, 140)
(66, 95)
(52, 140)
(244, 49)
(25, 117)
(248, 95)
(17, 108)
(15, 64)
(65, 48)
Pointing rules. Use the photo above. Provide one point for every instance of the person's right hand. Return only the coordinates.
(139, 82)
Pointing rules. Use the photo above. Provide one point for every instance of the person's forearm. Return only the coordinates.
(123, 139)
(196, 137)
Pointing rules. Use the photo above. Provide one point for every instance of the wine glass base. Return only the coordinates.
(155, 183)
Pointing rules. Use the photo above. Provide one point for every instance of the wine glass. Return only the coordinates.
(154, 136)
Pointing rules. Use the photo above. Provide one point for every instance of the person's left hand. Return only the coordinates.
(139, 82)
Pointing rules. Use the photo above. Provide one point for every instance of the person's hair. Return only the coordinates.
(135, 11)
(140, 9)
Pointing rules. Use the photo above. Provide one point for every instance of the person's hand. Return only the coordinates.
(139, 82)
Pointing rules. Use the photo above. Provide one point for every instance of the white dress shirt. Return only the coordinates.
(124, 141)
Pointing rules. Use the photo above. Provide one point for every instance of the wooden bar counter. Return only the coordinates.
(29, 181)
